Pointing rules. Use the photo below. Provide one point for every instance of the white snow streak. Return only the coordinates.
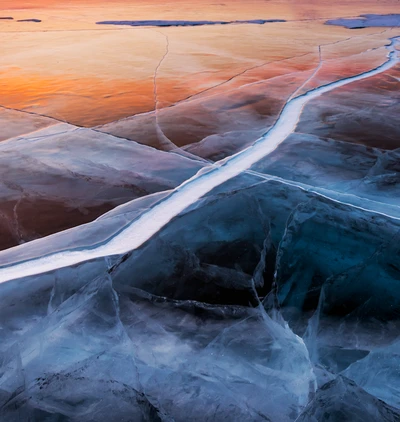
(190, 191)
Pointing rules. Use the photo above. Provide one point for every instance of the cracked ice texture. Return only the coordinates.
(204, 344)
(190, 325)
(14, 123)
(364, 113)
(343, 400)
(357, 171)
(81, 86)
(63, 176)
(197, 349)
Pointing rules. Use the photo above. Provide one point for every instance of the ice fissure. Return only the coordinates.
(190, 191)
(240, 295)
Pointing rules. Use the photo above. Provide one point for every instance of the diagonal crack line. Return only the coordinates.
(236, 75)
(324, 192)
(140, 230)
(271, 62)
(393, 77)
(167, 144)
(287, 58)
(256, 67)
(334, 43)
(155, 90)
(175, 149)
(160, 134)
(354, 37)
(195, 95)
(249, 69)
(309, 79)
(164, 140)
(32, 113)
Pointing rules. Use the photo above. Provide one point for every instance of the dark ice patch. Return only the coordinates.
(167, 23)
(367, 21)
(29, 20)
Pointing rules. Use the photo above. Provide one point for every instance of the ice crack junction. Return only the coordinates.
(152, 221)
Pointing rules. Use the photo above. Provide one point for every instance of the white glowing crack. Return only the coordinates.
(152, 221)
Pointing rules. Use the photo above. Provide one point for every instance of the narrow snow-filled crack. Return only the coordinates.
(166, 143)
(156, 218)
(305, 83)
(200, 93)
(241, 73)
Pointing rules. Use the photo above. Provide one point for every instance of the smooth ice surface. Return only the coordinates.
(190, 191)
